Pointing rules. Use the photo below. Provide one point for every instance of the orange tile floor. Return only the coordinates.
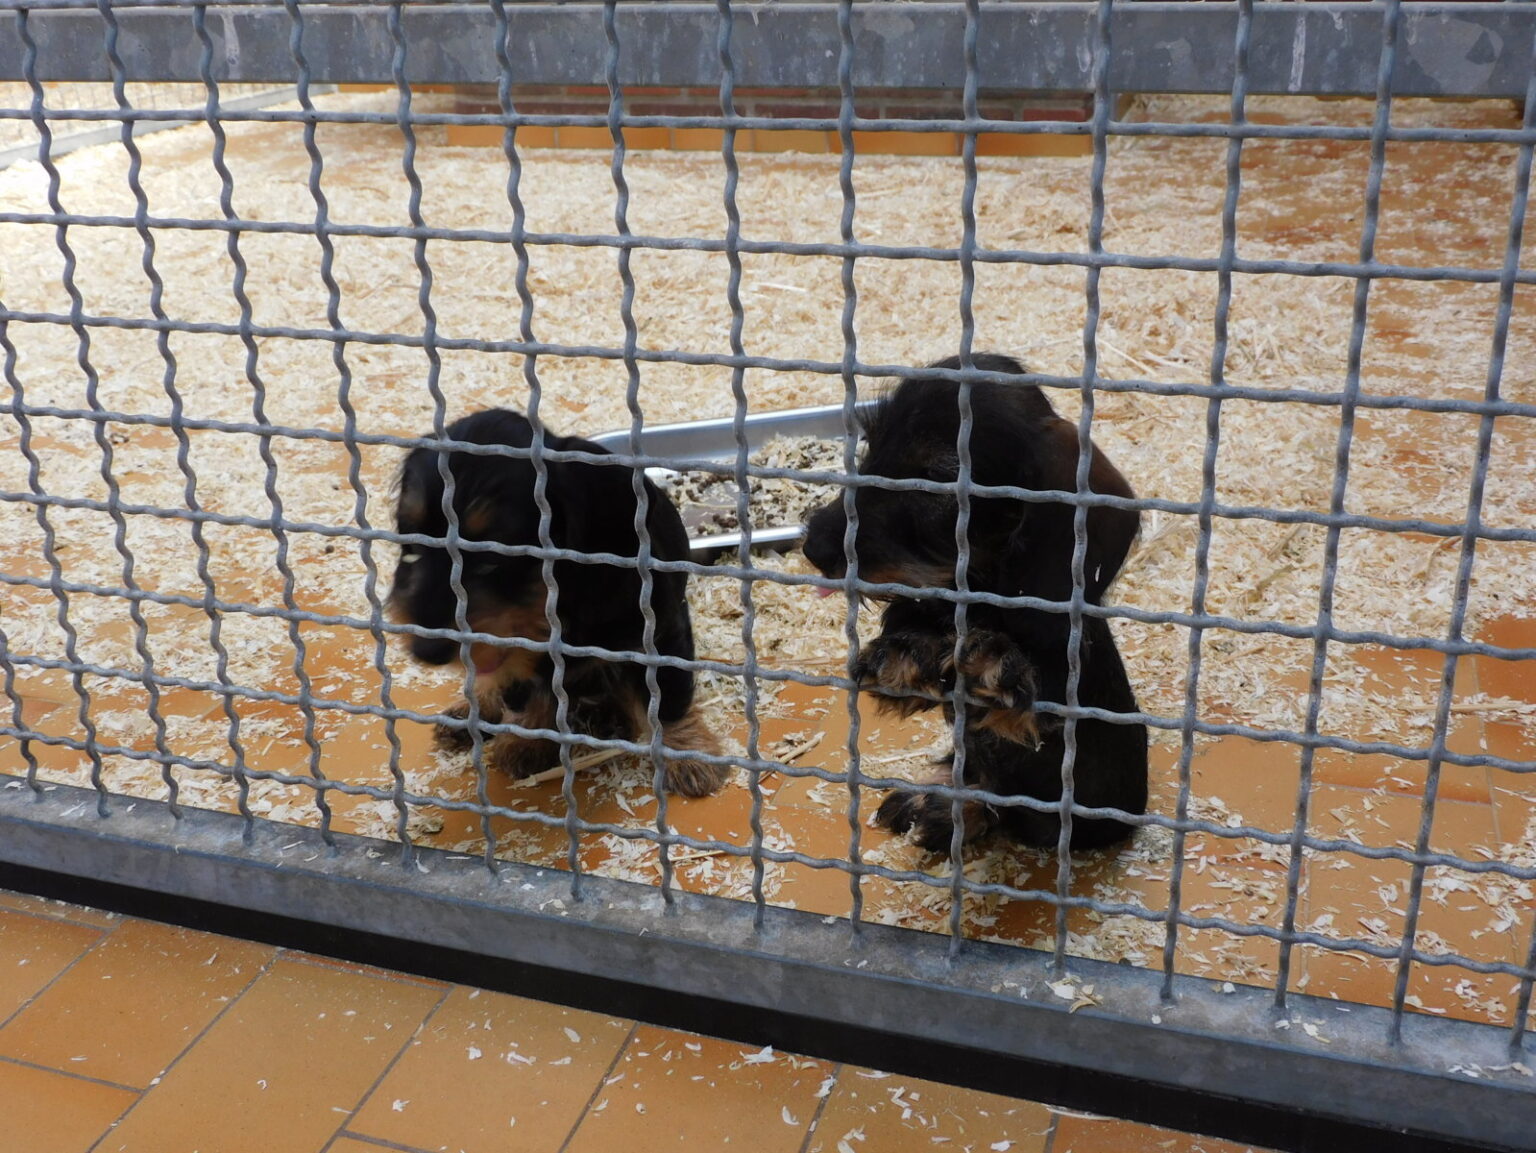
(120, 1035)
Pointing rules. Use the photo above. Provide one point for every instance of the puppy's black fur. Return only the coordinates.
(592, 510)
(1012, 656)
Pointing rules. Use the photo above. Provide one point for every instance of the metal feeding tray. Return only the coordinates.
(715, 440)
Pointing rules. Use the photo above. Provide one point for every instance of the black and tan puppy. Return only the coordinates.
(593, 510)
(1011, 656)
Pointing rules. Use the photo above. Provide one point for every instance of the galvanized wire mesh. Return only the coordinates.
(1349, 399)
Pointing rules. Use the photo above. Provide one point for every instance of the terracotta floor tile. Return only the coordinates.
(133, 1005)
(819, 832)
(1374, 693)
(442, 828)
(1255, 780)
(33, 711)
(1246, 894)
(1508, 678)
(173, 702)
(364, 970)
(674, 1091)
(490, 1073)
(33, 951)
(284, 1068)
(1088, 1135)
(1395, 670)
(1446, 991)
(881, 1112)
(1384, 819)
(358, 1145)
(1244, 891)
(1513, 741)
(1514, 808)
(57, 910)
(1353, 896)
(52, 1113)
(830, 798)
(1033, 923)
(802, 714)
(1394, 774)
(46, 685)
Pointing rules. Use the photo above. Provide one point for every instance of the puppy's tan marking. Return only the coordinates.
(1016, 725)
(520, 757)
(515, 664)
(478, 517)
(685, 776)
(913, 574)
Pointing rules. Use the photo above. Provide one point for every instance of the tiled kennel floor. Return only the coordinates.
(1374, 800)
(125, 1036)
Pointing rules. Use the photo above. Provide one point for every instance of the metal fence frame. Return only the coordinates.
(990, 1006)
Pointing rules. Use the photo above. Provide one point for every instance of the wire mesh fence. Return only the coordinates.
(1296, 327)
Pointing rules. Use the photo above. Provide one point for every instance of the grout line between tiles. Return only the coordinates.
(629, 1039)
(262, 971)
(87, 951)
(821, 1104)
(1050, 1133)
(364, 1139)
(67, 1073)
(1499, 833)
(389, 1067)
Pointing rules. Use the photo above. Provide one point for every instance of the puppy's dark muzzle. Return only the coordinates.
(434, 650)
(823, 545)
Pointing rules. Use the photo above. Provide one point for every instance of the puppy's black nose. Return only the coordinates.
(824, 540)
(434, 650)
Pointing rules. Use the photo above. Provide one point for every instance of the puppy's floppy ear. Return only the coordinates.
(592, 506)
(1040, 550)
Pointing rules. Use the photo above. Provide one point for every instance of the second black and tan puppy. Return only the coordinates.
(1011, 656)
(593, 510)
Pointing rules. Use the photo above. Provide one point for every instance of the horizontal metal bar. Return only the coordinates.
(716, 440)
(112, 120)
(229, 113)
(1332, 1061)
(1446, 49)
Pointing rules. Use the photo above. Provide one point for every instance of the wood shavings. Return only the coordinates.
(789, 752)
(589, 761)
(1080, 996)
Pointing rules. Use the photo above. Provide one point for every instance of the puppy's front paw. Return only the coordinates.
(454, 738)
(687, 777)
(930, 819)
(520, 757)
(1002, 677)
(997, 671)
(908, 672)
